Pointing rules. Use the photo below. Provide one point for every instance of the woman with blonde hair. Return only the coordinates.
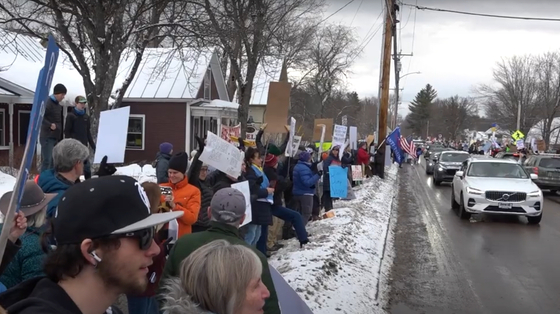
(28, 261)
(210, 282)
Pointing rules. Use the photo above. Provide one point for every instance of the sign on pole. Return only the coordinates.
(35, 119)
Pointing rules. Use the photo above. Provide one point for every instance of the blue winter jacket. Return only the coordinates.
(49, 183)
(304, 179)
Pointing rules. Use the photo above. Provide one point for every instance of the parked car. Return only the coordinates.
(447, 164)
(547, 168)
(496, 186)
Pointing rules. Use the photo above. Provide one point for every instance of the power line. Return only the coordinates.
(335, 12)
(511, 17)
(412, 47)
(357, 10)
(367, 39)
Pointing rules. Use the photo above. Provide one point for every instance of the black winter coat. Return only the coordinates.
(205, 192)
(261, 211)
(279, 184)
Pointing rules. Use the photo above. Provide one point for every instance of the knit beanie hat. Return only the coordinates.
(179, 162)
(270, 160)
(165, 148)
(59, 89)
(304, 156)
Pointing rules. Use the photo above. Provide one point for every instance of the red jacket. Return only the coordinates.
(363, 156)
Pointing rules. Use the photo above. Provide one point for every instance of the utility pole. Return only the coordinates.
(397, 61)
(518, 115)
(385, 79)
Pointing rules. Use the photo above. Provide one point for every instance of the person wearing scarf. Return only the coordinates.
(259, 185)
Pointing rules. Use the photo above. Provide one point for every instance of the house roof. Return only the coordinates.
(21, 59)
(170, 73)
(163, 72)
(266, 73)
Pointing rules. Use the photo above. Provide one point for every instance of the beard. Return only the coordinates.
(121, 275)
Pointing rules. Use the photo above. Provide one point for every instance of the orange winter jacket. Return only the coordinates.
(187, 199)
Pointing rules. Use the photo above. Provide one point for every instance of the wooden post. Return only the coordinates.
(385, 79)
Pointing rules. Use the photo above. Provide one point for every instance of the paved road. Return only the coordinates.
(490, 265)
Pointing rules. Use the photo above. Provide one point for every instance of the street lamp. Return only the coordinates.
(397, 99)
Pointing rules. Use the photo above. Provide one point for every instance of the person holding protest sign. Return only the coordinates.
(18, 228)
(186, 197)
(261, 206)
(28, 260)
(104, 235)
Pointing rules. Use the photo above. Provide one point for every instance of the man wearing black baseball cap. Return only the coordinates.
(104, 244)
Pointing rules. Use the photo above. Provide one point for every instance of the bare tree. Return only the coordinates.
(515, 86)
(248, 33)
(332, 54)
(452, 115)
(93, 35)
(547, 74)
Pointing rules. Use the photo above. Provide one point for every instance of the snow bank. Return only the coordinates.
(7, 183)
(339, 271)
(142, 174)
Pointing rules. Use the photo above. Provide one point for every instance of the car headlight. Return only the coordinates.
(431, 164)
(474, 191)
(535, 194)
(441, 168)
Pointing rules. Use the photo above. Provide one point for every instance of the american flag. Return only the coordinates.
(408, 147)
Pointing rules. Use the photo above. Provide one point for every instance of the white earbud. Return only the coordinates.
(95, 257)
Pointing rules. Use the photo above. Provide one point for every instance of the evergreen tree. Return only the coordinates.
(420, 109)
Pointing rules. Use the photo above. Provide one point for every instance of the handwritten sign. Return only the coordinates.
(520, 144)
(295, 144)
(243, 187)
(338, 178)
(220, 154)
(339, 135)
(357, 173)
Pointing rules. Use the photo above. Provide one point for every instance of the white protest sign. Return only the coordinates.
(295, 144)
(534, 146)
(112, 135)
(339, 135)
(520, 144)
(290, 147)
(357, 173)
(354, 137)
(220, 154)
(243, 187)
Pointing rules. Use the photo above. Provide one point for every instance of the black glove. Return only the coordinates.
(344, 166)
(259, 180)
(320, 172)
(201, 144)
(241, 143)
(105, 169)
(314, 167)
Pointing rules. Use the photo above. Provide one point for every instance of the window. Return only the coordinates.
(2, 129)
(497, 170)
(23, 125)
(454, 157)
(135, 136)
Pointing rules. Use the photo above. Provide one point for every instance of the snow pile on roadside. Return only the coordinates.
(7, 183)
(142, 174)
(339, 271)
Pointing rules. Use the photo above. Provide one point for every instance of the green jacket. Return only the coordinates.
(217, 231)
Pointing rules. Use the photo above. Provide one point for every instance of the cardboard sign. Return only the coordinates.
(277, 107)
(541, 145)
(357, 173)
(328, 129)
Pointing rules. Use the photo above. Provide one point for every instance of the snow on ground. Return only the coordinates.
(341, 269)
(142, 174)
(7, 183)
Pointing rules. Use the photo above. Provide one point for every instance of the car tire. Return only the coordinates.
(463, 214)
(454, 204)
(534, 220)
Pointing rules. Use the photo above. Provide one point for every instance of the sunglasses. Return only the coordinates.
(144, 236)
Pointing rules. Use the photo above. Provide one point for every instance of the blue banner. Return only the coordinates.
(36, 118)
(393, 141)
(338, 180)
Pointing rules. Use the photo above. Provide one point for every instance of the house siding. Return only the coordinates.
(164, 122)
(18, 149)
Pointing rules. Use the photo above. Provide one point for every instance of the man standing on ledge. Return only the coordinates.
(51, 129)
(78, 127)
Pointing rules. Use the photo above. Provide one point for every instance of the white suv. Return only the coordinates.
(496, 186)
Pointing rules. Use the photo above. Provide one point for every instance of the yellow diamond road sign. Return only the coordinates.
(517, 135)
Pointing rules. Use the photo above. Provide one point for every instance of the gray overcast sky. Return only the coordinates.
(454, 52)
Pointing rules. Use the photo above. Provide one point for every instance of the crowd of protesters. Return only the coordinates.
(80, 240)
